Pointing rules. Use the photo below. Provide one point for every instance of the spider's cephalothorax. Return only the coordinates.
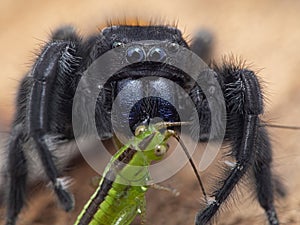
(44, 109)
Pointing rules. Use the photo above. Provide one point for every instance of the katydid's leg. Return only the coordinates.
(143, 210)
(127, 215)
(163, 188)
(94, 182)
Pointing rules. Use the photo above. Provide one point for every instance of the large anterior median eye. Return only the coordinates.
(157, 54)
(135, 54)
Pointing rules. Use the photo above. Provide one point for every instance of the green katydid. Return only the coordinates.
(120, 196)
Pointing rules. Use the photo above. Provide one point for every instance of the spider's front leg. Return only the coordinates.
(43, 118)
(244, 104)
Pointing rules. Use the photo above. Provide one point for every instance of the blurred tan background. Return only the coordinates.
(265, 33)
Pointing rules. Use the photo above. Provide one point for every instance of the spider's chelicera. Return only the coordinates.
(43, 117)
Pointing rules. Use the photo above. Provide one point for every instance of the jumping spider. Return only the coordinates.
(43, 118)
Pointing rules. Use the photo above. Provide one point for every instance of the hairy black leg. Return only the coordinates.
(244, 104)
(244, 159)
(65, 33)
(56, 60)
(17, 172)
(202, 44)
(43, 116)
(263, 176)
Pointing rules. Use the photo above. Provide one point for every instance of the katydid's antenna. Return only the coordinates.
(169, 124)
(193, 166)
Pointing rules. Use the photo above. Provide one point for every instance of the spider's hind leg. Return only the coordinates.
(17, 172)
(65, 33)
(244, 104)
(264, 179)
(202, 44)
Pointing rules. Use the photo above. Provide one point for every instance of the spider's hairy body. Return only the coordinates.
(45, 105)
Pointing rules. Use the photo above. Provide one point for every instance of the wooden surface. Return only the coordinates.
(266, 34)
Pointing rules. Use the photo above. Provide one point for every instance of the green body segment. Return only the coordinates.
(121, 206)
(120, 196)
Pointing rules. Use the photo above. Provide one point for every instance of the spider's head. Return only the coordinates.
(127, 34)
(149, 86)
(146, 86)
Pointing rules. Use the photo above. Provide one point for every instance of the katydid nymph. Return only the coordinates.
(120, 196)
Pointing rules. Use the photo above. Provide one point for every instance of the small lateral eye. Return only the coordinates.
(135, 54)
(211, 89)
(139, 130)
(157, 54)
(173, 47)
(160, 150)
(117, 44)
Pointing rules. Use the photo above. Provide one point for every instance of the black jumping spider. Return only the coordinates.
(43, 117)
